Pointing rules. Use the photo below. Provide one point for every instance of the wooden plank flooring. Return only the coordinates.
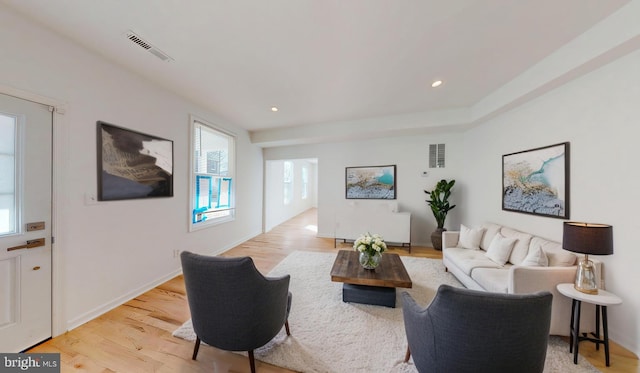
(136, 336)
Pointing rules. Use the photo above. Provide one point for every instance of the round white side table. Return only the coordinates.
(601, 300)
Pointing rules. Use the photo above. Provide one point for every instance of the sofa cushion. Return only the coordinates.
(500, 249)
(470, 237)
(521, 248)
(495, 280)
(536, 258)
(490, 231)
(466, 260)
(558, 257)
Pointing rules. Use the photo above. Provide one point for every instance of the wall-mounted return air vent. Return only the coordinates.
(436, 156)
(148, 46)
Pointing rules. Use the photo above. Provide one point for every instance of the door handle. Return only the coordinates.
(29, 245)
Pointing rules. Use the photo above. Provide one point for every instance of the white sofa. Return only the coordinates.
(466, 258)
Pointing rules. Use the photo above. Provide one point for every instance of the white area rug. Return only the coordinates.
(331, 336)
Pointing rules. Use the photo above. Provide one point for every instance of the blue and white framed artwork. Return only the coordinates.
(372, 182)
(536, 181)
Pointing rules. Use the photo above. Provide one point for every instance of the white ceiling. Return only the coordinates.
(324, 61)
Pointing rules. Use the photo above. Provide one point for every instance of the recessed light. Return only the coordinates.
(436, 83)
(274, 108)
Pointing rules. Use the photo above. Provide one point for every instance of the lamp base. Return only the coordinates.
(586, 291)
(586, 277)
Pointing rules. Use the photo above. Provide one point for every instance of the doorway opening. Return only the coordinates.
(290, 188)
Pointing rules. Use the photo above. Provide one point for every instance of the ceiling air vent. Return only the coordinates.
(436, 156)
(135, 38)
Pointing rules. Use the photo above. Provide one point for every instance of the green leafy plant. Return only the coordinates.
(439, 200)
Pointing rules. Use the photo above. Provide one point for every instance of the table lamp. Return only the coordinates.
(588, 239)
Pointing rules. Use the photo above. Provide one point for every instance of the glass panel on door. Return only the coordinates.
(7, 174)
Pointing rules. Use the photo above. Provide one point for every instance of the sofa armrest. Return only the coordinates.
(450, 239)
(533, 279)
(524, 279)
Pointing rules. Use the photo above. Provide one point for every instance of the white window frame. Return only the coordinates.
(287, 182)
(194, 224)
(304, 173)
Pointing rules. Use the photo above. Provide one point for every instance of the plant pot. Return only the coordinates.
(436, 238)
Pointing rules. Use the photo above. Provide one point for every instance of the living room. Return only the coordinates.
(585, 93)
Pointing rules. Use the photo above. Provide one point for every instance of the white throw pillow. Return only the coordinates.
(536, 258)
(500, 249)
(490, 231)
(561, 258)
(470, 238)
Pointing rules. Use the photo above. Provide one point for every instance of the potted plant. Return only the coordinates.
(439, 203)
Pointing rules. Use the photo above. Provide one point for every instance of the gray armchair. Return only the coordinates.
(233, 306)
(466, 330)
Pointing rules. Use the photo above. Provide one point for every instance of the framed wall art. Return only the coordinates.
(132, 164)
(373, 182)
(536, 181)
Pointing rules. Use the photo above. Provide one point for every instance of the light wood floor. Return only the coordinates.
(136, 337)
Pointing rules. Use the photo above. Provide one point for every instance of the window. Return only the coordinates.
(8, 175)
(305, 183)
(212, 175)
(288, 182)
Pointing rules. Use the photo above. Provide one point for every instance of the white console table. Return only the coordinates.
(394, 227)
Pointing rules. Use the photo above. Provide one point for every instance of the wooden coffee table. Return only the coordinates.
(370, 286)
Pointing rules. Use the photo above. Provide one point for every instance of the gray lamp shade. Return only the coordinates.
(588, 238)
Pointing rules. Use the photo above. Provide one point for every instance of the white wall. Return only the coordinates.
(599, 115)
(276, 212)
(409, 154)
(112, 251)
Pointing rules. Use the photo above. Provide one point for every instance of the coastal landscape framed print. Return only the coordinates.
(536, 181)
(132, 164)
(372, 182)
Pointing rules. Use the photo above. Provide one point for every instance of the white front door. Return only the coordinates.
(25, 223)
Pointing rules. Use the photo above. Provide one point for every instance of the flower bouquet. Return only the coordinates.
(370, 248)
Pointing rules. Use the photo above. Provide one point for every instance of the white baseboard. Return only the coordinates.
(88, 316)
(98, 311)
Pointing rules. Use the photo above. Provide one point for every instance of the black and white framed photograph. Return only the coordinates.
(133, 165)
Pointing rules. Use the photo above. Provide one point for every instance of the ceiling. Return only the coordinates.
(324, 61)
